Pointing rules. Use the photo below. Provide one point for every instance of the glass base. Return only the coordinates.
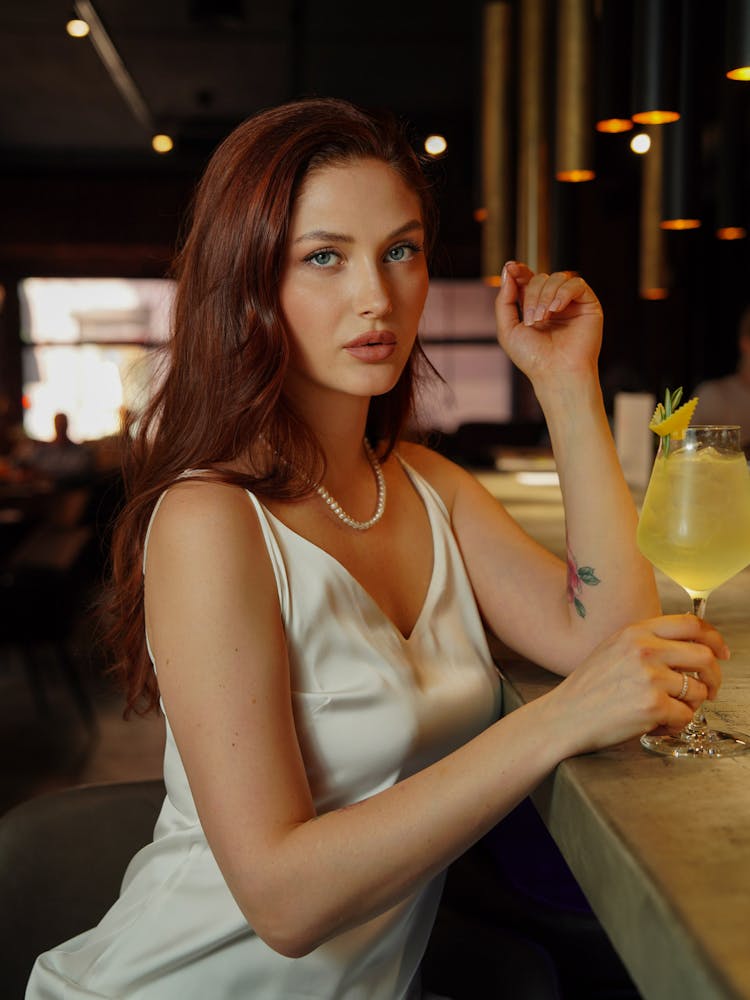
(705, 743)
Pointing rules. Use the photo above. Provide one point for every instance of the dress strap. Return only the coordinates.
(423, 487)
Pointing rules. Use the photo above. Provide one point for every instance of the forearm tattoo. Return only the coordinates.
(578, 576)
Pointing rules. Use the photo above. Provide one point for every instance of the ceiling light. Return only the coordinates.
(613, 52)
(162, 143)
(681, 193)
(614, 125)
(680, 224)
(737, 41)
(435, 145)
(573, 137)
(656, 62)
(77, 28)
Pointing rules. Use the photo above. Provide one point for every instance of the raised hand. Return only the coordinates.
(548, 324)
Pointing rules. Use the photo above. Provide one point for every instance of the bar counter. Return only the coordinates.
(659, 845)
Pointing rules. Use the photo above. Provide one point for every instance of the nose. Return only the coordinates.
(372, 295)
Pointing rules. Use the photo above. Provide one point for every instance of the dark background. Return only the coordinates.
(83, 193)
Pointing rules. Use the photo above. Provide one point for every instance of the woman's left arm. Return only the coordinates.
(550, 326)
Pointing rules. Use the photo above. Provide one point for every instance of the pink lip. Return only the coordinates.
(375, 345)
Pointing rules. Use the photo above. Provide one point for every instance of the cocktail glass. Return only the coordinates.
(695, 527)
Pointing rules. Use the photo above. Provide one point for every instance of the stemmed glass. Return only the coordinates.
(695, 527)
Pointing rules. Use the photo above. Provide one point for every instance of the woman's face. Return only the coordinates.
(354, 281)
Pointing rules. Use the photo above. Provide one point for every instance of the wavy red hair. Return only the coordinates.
(228, 354)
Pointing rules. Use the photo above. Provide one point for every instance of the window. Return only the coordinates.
(90, 350)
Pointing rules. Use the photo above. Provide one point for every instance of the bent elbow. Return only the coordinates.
(285, 930)
(290, 942)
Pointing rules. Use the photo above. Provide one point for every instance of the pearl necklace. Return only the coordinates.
(335, 507)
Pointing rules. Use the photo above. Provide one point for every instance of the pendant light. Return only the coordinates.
(613, 47)
(496, 146)
(574, 153)
(681, 195)
(737, 40)
(656, 64)
(533, 200)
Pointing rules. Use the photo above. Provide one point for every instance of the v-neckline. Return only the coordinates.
(411, 475)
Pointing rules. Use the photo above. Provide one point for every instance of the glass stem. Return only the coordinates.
(698, 726)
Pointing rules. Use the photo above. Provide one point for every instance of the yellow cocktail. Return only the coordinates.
(695, 524)
(695, 527)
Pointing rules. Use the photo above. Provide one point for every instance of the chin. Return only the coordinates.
(378, 384)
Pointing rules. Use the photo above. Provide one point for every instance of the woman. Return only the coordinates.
(333, 740)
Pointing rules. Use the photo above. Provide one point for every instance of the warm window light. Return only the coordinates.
(614, 125)
(77, 28)
(575, 176)
(162, 143)
(731, 233)
(493, 280)
(435, 145)
(480, 214)
(640, 143)
(680, 223)
(654, 294)
(740, 73)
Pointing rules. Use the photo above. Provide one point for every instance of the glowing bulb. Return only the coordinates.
(575, 176)
(741, 73)
(656, 117)
(640, 143)
(435, 145)
(614, 125)
(732, 233)
(162, 143)
(680, 224)
(77, 28)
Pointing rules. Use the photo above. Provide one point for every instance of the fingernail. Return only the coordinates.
(504, 275)
(554, 305)
(540, 313)
(725, 653)
(528, 317)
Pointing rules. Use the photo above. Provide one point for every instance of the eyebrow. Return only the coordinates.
(327, 236)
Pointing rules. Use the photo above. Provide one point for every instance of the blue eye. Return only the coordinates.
(404, 251)
(322, 258)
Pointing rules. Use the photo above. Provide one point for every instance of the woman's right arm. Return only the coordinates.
(215, 628)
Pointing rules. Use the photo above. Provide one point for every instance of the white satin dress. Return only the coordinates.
(371, 707)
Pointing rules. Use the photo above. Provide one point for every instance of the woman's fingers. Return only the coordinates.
(676, 716)
(538, 298)
(509, 301)
(691, 628)
(690, 644)
(547, 294)
(687, 689)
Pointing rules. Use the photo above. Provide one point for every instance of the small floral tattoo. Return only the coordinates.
(577, 576)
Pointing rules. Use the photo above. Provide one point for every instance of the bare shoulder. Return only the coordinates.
(206, 521)
(444, 476)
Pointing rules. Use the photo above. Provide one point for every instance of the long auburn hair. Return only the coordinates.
(222, 395)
